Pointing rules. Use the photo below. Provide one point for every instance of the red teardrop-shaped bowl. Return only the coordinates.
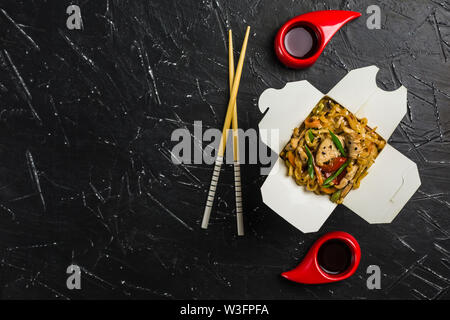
(324, 24)
(309, 270)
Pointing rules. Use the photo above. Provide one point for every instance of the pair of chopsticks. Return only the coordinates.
(230, 119)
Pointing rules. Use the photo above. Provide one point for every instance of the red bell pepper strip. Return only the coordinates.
(334, 164)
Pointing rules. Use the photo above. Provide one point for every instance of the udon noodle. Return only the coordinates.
(332, 150)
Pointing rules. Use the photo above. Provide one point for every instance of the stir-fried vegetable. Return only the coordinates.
(291, 158)
(334, 164)
(310, 136)
(327, 190)
(318, 109)
(312, 123)
(338, 172)
(310, 162)
(337, 143)
(318, 174)
(335, 196)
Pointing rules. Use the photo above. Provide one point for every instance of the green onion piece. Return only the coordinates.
(337, 143)
(319, 108)
(338, 172)
(311, 172)
(335, 196)
(309, 154)
(310, 135)
(310, 162)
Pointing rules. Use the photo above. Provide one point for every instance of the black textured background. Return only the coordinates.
(85, 171)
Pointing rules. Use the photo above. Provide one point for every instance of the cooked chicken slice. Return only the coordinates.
(348, 176)
(327, 151)
(354, 144)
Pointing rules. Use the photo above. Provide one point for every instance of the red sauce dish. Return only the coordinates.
(301, 40)
(333, 257)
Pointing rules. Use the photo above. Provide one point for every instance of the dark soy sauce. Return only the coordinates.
(334, 256)
(300, 42)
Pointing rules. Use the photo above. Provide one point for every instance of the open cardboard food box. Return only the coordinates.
(392, 179)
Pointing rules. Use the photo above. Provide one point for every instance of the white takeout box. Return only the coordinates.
(392, 179)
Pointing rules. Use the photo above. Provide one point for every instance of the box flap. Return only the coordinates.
(303, 209)
(384, 110)
(359, 93)
(288, 107)
(355, 88)
(391, 182)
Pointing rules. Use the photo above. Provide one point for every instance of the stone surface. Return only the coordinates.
(86, 178)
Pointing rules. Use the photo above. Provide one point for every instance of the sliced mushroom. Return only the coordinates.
(348, 176)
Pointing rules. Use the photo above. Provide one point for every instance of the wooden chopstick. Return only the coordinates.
(226, 126)
(234, 124)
